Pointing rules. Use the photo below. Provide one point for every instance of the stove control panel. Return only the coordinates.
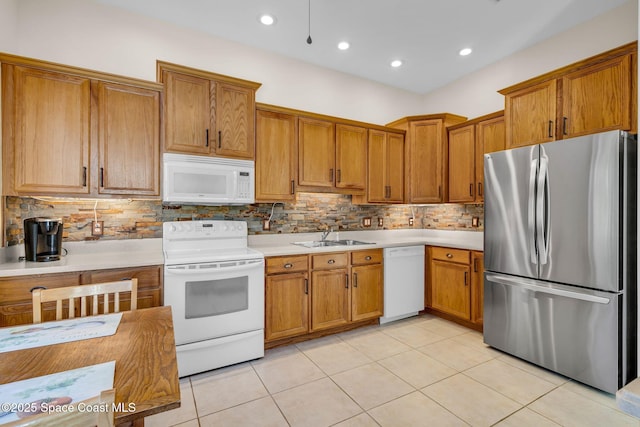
(205, 229)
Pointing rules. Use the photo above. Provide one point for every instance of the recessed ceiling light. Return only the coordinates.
(267, 19)
(466, 51)
(396, 63)
(343, 45)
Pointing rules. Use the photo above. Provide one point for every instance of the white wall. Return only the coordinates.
(8, 24)
(476, 94)
(91, 35)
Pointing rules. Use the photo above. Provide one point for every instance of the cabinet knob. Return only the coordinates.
(288, 265)
(449, 255)
(367, 258)
(331, 261)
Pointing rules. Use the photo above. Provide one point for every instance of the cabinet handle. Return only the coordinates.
(367, 258)
(306, 286)
(84, 176)
(346, 285)
(550, 128)
(37, 287)
(101, 177)
(355, 280)
(219, 139)
(475, 265)
(480, 189)
(471, 190)
(564, 126)
(465, 278)
(288, 265)
(206, 142)
(293, 187)
(439, 191)
(339, 177)
(449, 255)
(331, 175)
(331, 261)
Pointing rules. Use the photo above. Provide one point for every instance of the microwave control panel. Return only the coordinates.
(244, 185)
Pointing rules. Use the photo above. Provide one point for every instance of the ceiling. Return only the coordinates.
(425, 34)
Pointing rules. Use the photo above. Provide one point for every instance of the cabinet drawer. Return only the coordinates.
(329, 261)
(148, 277)
(17, 289)
(371, 256)
(286, 264)
(452, 255)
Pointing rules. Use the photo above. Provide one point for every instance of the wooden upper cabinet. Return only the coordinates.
(129, 139)
(395, 167)
(188, 123)
(462, 177)
(597, 98)
(425, 157)
(317, 144)
(490, 137)
(594, 95)
(75, 132)
(50, 118)
(234, 121)
(208, 113)
(530, 115)
(385, 183)
(276, 156)
(351, 157)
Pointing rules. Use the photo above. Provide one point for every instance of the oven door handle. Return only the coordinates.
(178, 271)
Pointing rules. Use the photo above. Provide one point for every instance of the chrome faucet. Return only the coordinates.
(326, 233)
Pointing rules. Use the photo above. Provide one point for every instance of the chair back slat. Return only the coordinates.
(70, 293)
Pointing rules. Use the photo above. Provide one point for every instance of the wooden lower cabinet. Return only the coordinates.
(307, 295)
(15, 292)
(455, 285)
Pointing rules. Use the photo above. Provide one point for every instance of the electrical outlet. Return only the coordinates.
(475, 221)
(97, 228)
(411, 221)
(380, 222)
(366, 222)
(266, 224)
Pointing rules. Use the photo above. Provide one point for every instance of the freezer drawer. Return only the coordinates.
(572, 331)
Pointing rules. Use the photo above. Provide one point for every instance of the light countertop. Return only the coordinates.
(282, 244)
(88, 255)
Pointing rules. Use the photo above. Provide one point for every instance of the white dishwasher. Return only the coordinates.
(403, 282)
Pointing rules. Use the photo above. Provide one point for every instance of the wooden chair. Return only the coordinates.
(41, 296)
(78, 417)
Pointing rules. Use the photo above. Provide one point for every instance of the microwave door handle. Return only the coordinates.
(532, 211)
(186, 272)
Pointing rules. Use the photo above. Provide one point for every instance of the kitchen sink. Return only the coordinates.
(324, 243)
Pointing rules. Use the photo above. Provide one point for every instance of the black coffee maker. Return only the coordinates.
(42, 239)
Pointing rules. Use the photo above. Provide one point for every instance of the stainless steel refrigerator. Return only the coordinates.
(560, 256)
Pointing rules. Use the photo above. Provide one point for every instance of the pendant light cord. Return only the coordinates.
(309, 41)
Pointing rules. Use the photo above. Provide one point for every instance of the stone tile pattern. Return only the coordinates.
(422, 371)
(136, 219)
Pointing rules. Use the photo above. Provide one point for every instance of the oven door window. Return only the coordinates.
(214, 297)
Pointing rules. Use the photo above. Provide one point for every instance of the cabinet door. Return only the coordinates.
(149, 284)
(51, 132)
(530, 115)
(234, 121)
(425, 156)
(377, 164)
(317, 143)
(462, 176)
(450, 288)
(477, 287)
(129, 140)
(276, 156)
(395, 168)
(366, 292)
(490, 137)
(597, 98)
(188, 125)
(329, 299)
(287, 305)
(351, 157)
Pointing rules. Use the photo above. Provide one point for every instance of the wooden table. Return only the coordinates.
(146, 367)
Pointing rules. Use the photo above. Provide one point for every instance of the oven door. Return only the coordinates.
(213, 300)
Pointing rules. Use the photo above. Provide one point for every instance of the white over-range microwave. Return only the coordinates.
(200, 180)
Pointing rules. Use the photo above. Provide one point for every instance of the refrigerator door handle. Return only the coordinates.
(546, 290)
(542, 211)
(532, 212)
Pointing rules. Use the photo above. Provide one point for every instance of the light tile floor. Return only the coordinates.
(422, 371)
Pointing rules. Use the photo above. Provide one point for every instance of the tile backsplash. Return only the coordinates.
(136, 219)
